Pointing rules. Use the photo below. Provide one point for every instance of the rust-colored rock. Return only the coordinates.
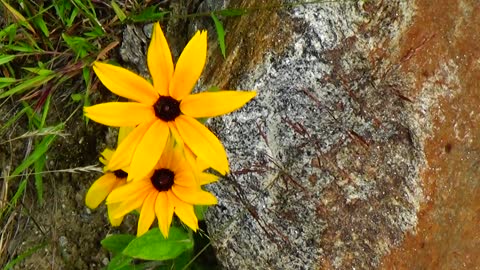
(447, 235)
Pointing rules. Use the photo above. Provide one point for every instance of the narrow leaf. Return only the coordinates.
(118, 11)
(28, 84)
(18, 17)
(38, 20)
(40, 149)
(220, 33)
(153, 246)
(39, 165)
(5, 58)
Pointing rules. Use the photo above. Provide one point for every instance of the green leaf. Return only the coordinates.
(117, 242)
(213, 89)
(18, 17)
(149, 14)
(220, 33)
(5, 81)
(118, 11)
(153, 246)
(40, 149)
(76, 97)
(23, 256)
(232, 12)
(5, 58)
(9, 31)
(27, 84)
(79, 45)
(38, 20)
(120, 262)
(200, 211)
(20, 47)
(39, 165)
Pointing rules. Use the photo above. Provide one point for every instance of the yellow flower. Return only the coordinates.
(171, 187)
(109, 181)
(164, 106)
(104, 185)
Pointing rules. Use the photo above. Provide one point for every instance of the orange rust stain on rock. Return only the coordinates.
(447, 235)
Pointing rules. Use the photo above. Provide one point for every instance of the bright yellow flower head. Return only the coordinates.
(108, 182)
(171, 187)
(164, 106)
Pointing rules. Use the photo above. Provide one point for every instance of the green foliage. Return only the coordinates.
(22, 256)
(220, 33)
(150, 13)
(117, 243)
(153, 246)
(120, 14)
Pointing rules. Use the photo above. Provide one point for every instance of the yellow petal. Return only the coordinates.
(159, 61)
(120, 114)
(123, 133)
(125, 83)
(128, 191)
(99, 190)
(206, 178)
(210, 104)
(147, 214)
(124, 153)
(112, 208)
(189, 66)
(168, 153)
(185, 212)
(185, 178)
(194, 195)
(164, 212)
(131, 204)
(149, 150)
(203, 143)
(106, 156)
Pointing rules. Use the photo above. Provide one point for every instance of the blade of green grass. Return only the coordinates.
(148, 14)
(18, 16)
(220, 33)
(46, 107)
(12, 120)
(28, 84)
(40, 149)
(118, 11)
(5, 58)
(23, 256)
(38, 166)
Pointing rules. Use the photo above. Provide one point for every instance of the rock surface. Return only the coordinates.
(326, 161)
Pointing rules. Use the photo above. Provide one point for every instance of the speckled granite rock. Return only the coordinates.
(326, 160)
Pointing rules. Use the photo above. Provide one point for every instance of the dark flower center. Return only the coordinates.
(162, 179)
(167, 108)
(120, 174)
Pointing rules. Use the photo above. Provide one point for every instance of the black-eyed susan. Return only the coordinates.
(108, 182)
(167, 104)
(171, 187)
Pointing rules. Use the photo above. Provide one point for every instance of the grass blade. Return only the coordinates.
(40, 149)
(5, 58)
(118, 11)
(28, 84)
(39, 165)
(220, 33)
(23, 256)
(18, 17)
